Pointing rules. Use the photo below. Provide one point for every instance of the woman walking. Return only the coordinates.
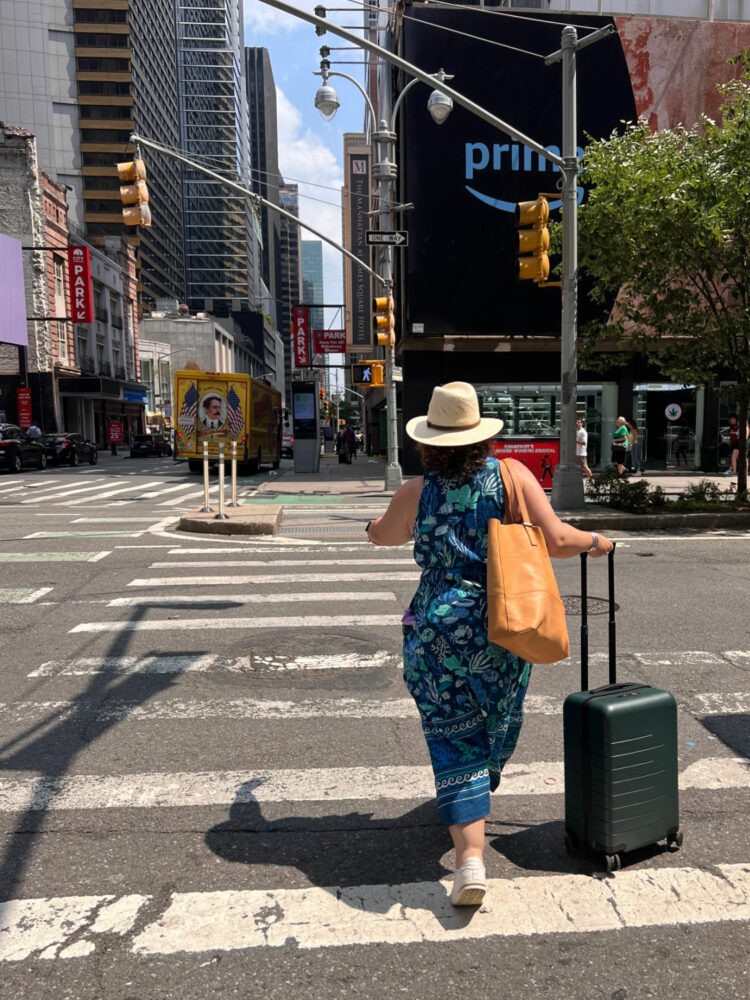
(634, 447)
(469, 692)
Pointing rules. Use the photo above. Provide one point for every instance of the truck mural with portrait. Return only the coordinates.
(217, 408)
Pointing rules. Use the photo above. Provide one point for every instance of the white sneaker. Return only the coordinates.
(469, 884)
(728, 472)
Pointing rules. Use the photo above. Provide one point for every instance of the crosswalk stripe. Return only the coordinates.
(222, 581)
(394, 783)
(285, 598)
(22, 595)
(243, 708)
(86, 534)
(26, 557)
(409, 913)
(60, 490)
(130, 488)
(204, 624)
(200, 663)
(187, 496)
(232, 563)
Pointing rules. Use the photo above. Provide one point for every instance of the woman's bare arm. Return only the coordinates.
(396, 526)
(563, 540)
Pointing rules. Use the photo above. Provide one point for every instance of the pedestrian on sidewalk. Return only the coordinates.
(634, 447)
(582, 443)
(620, 444)
(469, 691)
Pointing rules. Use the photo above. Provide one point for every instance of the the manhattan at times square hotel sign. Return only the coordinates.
(465, 177)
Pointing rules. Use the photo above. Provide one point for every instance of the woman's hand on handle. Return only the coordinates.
(603, 548)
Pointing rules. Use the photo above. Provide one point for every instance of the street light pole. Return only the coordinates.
(567, 484)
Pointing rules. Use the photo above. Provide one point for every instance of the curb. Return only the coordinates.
(639, 522)
(262, 520)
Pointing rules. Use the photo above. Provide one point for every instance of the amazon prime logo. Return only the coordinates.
(505, 157)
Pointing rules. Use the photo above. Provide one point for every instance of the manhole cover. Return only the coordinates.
(596, 605)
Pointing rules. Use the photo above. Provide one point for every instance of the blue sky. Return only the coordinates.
(310, 149)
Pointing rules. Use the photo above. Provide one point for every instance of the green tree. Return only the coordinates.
(666, 223)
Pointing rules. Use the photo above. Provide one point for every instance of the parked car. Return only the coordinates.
(69, 448)
(18, 450)
(287, 445)
(149, 444)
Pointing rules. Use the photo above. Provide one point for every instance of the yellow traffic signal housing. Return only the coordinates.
(532, 263)
(384, 321)
(368, 373)
(134, 193)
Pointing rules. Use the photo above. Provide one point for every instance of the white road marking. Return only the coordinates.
(408, 913)
(203, 624)
(54, 493)
(214, 563)
(111, 493)
(154, 600)
(213, 488)
(86, 534)
(22, 595)
(236, 581)
(33, 557)
(225, 788)
(41, 927)
(241, 708)
(99, 555)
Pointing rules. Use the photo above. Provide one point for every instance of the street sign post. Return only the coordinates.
(394, 237)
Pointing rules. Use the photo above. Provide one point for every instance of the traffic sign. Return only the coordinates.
(395, 237)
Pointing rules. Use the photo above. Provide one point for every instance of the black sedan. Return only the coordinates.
(69, 448)
(150, 444)
(18, 450)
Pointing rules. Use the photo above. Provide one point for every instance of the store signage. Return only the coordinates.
(541, 456)
(134, 395)
(23, 399)
(301, 336)
(114, 432)
(673, 411)
(79, 269)
(329, 341)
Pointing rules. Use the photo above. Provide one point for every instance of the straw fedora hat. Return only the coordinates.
(453, 418)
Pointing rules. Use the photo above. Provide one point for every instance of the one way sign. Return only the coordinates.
(398, 238)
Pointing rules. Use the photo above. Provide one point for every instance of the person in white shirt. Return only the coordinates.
(582, 441)
(33, 431)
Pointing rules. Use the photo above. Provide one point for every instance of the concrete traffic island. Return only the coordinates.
(260, 519)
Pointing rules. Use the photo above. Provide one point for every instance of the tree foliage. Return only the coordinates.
(666, 222)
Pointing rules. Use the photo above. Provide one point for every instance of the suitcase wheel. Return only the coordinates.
(612, 862)
(674, 840)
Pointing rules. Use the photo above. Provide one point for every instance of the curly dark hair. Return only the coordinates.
(455, 463)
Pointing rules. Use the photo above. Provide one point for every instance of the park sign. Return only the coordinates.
(329, 341)
(79, 269)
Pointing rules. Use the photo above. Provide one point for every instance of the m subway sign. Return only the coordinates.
(465, 177)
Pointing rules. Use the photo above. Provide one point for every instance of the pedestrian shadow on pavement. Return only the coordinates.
(49, 748)
(732, 730)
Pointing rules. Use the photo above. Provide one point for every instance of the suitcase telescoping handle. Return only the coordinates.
(585, 621)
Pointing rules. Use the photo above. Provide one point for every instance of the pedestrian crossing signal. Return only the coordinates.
(368, 373)
(134, 193)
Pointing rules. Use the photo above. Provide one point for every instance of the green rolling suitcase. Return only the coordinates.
(620, 758)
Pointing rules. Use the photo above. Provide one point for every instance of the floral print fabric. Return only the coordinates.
(469, 692)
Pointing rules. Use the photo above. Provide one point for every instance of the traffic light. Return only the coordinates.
(134, 193)
(368, 373)
(384, 322)
(532, 263)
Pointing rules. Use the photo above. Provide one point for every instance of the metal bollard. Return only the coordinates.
(234, 476)
(221, 516)
(205, 509)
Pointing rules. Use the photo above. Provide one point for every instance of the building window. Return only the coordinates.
(59, 279)
(62, 341)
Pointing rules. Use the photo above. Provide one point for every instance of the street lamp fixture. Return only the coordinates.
(440, 106)
(327, 101)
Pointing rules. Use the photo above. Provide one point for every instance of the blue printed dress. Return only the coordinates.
(469, 691)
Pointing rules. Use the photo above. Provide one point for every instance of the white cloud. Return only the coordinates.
(304, 156)
(262, 19)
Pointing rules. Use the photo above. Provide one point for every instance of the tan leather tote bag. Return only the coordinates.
(524, 612)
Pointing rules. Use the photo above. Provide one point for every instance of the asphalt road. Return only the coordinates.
(213, 783)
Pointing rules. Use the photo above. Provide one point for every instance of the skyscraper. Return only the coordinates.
(312, 279)
(290, 290)
(264, 158)
(222, 233)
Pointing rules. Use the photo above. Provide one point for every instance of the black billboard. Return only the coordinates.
(465, 177)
